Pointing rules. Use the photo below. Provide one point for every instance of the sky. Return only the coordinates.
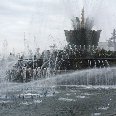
(44, 21)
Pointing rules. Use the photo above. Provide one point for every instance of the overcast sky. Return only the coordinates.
(46, 20)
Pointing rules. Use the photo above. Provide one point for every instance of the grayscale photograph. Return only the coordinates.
(58, 58)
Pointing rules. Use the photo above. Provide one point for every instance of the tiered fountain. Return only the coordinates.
(79, 65)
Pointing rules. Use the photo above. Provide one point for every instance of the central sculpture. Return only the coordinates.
(82, 33)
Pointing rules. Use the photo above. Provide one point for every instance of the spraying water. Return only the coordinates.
(104, 76)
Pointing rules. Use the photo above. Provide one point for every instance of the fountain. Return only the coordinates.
(66, 88)
(102, 76)
(62, 77)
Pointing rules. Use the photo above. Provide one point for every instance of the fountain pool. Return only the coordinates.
(84, 93)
